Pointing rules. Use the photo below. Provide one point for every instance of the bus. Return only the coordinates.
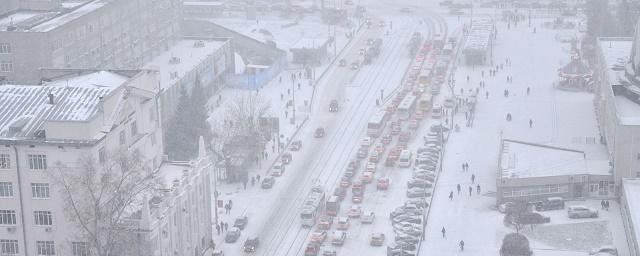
(333, 206)
(406, 107)
(377, 123)
(426, 102)
(312, 207)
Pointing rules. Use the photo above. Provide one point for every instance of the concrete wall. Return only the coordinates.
(28, 53)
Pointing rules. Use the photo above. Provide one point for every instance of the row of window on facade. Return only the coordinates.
(10, 247)
(38, 190)
(41, 218)
(35, 161)
(535, 190)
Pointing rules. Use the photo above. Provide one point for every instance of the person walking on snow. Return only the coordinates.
(461, 245)
(470, 190)
(458, 186)
(528, 91)
(451, 195)
(253, 181)
(473, 178)
(444, 232)
(478, 189)
(226, 226)
(530, 123)
(218, 228)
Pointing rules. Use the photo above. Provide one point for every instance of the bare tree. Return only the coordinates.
(103, 199)
(241, 116)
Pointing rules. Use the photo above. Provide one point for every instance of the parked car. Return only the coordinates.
(295, 145)
(232, 235)
(250, 245)
(278, 169)
(605, 250)
(510, 207)
(333, 106)
(438, 128)
(580, 211)
(551, 203)
(324, 222)
(319, 132)
(526, 218)
(343, 223)
(417, 192)
(367, 217)
(338, 238)
(449, 103)
(286, 158)
(241, 222)
(418, 183)
(268, 182)
(355, 211)
(377, 239)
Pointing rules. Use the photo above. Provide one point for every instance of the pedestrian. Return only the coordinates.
(377, 102)
(528, 91)
(467, 78)
(530, 123)
(463, 167)
(461, 245)
(288, 92)
(473, 178)
(253, 181)
(273, 148)
(482, 73)
(470, 190)
(222, 226)
(486, 95)
(226, 227)
(602, 204)
(298, 86)
(281, 96)
(244, 183)
(451, 195)
(606, 205)
(280, 78)
(444, 232)
(478, 189)
(458, 187)
(286, 114)
(266, 155)
(218, 228)
(226, 208)
(230, 204)
(258, 178)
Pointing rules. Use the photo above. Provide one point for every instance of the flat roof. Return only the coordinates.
(632, 195)
(195, 3)
(181, 59)
(616, 53)
(25, 108)
(310, 43)
(528, 160)
(72, 15)
(24, 20)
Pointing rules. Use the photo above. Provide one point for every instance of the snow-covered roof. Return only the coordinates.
(632, 195)
(480, 34)
(72, 15)
(528, 160)
(310, 43)
(171, 171)
(23, 20)
(25, 108)
(181, 59)
(196, 3)
(616, 54)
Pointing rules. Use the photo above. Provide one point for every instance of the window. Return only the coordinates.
(43, 218)
(8, 247)
(7, 217)
(45, 248)
(79, 249)
(5, 161)
(122, 138)
(134, 128)
(5, 48)
(6, 66)
(37, 162)
(6, 189)
(40, 190)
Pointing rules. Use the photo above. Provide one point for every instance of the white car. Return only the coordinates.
(366, 142)
(277, 170)
(367, 217)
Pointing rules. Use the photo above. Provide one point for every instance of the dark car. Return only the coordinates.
(232, 235)
(268, 182)
(333, 106)
(295, 145)
(250, 245)
(286, 158)
(439, 128)
(319, 132)
(241, 222)
(527, 218)
(340, 192)
(551, 203)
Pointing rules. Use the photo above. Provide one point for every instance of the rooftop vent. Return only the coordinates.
(51, 98)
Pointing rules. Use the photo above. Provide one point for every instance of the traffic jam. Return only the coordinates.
(383, 150)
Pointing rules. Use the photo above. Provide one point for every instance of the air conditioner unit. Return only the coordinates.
(11, 229)
(48, 229)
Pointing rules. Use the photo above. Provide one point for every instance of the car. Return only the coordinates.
(241, 222)
(348, 2)
(377, 239)
(420, 203)
(417, 192)
(343, 223)
(345, 182)
(286, 158)
(510, 207)
(367, 177)
(367, 217)
(550, 203)
(250, 245)
(232, 235)
(390, 161)
(319, 132)
(342, 63)
(449, 103)
(295, 145)
(333, 106)
(312, 249)
(374, 157)
(362, 153)
(366, 142)
(340, 192)
(423, 176)
(371, 167)
(355, 65)
(356, 198)
(419, 115)
(268, 182)
(413, 124)
(217, 252)
(395, 129)
(349, 173)
(277, 169)
(329, 251)
(526, 218)
(355, 211)
(383, 184)
(604, 250)
(325, 222)
(379, 147)
(404, 136)
(338, 238)
(580, 211)
(381, 24)
(353, 165)
(386, 139)
(417, 183)
(438, 128)
(318, 236)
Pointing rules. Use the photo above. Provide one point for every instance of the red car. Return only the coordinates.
(345, 182)
(383, 184)
(324, 222)
(386, 139)
(318, 236)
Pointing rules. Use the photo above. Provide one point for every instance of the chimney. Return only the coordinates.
(50, 98)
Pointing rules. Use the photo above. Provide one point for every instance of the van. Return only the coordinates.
(405, 159)
(436, 112)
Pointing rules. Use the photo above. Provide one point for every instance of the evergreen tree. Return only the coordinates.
(515, 244)
(179, 142)
(199, 113)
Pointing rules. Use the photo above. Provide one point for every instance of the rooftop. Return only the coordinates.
(310, 43)
(24, 108)
(480, 35)
(528, 160)
(72, 15)
(42, 21)
(616, 54)
(181, 59)
(632, 193)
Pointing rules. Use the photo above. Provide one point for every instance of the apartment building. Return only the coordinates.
(74, 114)
(107, 34)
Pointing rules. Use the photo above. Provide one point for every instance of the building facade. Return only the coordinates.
(630, 203)
(76, 113)
(617, 103)
(114, 34)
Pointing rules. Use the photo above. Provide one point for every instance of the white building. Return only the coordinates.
(630, 201)
(77, 113)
